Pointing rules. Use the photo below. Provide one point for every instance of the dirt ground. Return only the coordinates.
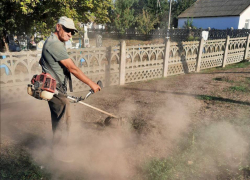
(157, 115)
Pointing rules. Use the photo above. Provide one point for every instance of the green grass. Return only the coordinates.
(199, 157)
(242, 64)
(247, 80)
(205, 97)
(16, 163)
(223, 78)
(239, 88)
(192, 38)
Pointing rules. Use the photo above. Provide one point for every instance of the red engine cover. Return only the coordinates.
(48, 83)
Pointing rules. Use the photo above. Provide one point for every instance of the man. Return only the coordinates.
(56, 62)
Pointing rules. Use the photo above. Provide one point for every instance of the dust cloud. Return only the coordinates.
(117, 152)
(25, 123)
(220, 145)
(92, 152)
(114, 152)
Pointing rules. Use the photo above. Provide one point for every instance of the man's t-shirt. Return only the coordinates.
(53, 52)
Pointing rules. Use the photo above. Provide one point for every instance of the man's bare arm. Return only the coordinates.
(69, 64)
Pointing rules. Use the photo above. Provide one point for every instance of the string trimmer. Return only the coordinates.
(80, 100)
(43, 87)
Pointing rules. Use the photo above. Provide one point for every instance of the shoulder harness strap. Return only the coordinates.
(46, 67)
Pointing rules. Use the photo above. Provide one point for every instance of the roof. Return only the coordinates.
(215, 8)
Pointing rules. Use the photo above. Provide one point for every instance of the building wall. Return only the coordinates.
(245, 16)
(213, 22)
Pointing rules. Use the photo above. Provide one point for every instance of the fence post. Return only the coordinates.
(247, 47)
(122, 73)
(198, 64)
(107, 66)
(226, 51)
(166, 57)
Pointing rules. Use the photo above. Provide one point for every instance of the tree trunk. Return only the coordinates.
(6, 44)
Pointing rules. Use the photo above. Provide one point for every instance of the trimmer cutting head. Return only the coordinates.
(115, 121)
(110, 117)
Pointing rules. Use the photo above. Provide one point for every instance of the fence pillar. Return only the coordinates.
(247, 47)
(226, 52)
(198, 64)
(122, 72)
(166, 57)
(107, 66)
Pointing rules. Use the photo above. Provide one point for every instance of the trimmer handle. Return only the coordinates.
(99, 83)
(77, 99)
(91, 91)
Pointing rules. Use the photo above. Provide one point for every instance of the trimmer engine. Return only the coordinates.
(42, 86)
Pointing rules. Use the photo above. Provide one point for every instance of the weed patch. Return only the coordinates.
(205, 97)
(238, 88)
(206, 157)
(138, 124)
(224, 78)
(247, 80)
(16, 163)
(242, 64)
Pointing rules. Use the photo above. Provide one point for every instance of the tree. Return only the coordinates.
(158, 8)
(123, 15)
(189, 24)
(12, 20)
(164, 13)
(29, 16)
(146, 22)
(178, 7)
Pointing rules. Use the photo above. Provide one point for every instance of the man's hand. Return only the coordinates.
(95, 87)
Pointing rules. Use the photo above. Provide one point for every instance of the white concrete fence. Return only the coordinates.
(124, 64)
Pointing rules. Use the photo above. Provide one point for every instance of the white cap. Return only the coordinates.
(67, 22)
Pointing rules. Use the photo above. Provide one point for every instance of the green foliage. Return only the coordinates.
(146, 22)
(164, 15)
(162, 11)
(178, 7)
(29, 16)
(152, 6)
(159, 10)
(192, 38)
(16, 164)
(189, 24)
(123, 15)
(12, 19)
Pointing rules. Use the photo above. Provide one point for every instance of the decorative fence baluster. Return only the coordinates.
(246, 54)
(122, 63)
(198, 65)
(226, 52)
(166, 58)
